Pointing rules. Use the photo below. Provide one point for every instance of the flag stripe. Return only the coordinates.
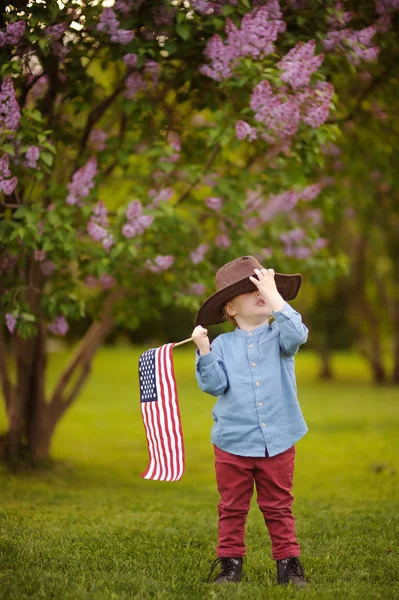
(161, 415)
(161, 418)
(165, 384)
(171, 425)
(176, 416)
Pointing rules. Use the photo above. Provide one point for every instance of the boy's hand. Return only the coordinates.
(200, 338)
(267, 288)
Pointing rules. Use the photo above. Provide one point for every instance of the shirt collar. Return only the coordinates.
(255, 332)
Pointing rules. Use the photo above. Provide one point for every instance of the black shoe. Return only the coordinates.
(290, 569)
(231, 570)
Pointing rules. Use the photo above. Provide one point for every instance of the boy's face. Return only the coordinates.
(249, 306)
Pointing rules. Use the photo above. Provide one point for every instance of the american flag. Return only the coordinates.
(161, 414)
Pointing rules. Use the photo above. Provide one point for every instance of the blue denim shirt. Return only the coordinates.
(253, 375)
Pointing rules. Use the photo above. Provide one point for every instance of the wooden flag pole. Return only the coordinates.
(183, 342)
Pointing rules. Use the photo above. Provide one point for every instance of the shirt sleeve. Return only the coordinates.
(293, 332)
(210, 370)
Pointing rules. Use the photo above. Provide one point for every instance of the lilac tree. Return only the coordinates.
(143, 144)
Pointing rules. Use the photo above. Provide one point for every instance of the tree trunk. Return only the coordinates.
(325, 372)
(369, 342)
(32, 420)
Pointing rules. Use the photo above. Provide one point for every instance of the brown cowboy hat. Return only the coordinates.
(233, 279)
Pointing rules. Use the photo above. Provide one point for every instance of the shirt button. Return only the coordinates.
(257, 383)
(254, 364)
(286, 312)
(263, 424)
(260, 403)
(251, 345)
(250, 333)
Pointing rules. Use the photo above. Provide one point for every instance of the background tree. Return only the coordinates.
(362, 164)
(142, 146)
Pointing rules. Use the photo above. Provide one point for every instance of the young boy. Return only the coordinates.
(257, 418)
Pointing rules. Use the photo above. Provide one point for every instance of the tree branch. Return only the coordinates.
(208, 165)
(94, 116)
(83, 356)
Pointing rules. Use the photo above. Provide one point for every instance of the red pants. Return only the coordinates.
(273, 477)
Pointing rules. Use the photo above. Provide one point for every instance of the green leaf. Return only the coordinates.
(20, 212)
(28, 317)
(43, 44)
(183, 31)
(49, 147)
(36, 115)
(9, 148)
(47, 158)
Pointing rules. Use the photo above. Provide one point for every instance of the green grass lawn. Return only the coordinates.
(93, 528)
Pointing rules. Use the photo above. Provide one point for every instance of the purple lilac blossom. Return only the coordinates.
(339, 17)
(108, 241)
(13, 34)
(11, 321)
(137, 222)
(59, 326)
(197, 256)
(320, 243)
(204, 7)
(198, 289)
(161, 263)
(222, 240)
(163, 195)
(47, 267)
(331, 149)
(39, 255)
(32, 156)
(174, 140)
(124, 6)
(279, 115)
(96, 232)
(109, 24)
(279, 203)
(7, 183)
(82, 182)
(311, 191)
(299, 64)
(39, 89)
(314, 215)
(130, 60)
(315, 103)
(385, 6)
(163, 16)
(97, 139)
(122, 36)
(214, 203)
(107, 281)
(267, 253)
(100, 214)
(90, 281)
(259, 30)
(54, 32)
(356, 45)
(152, 68)
(134, 84)
(300, 252)
(243, 130)
(10, 113)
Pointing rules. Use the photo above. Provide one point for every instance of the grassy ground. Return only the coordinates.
(91, 528)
